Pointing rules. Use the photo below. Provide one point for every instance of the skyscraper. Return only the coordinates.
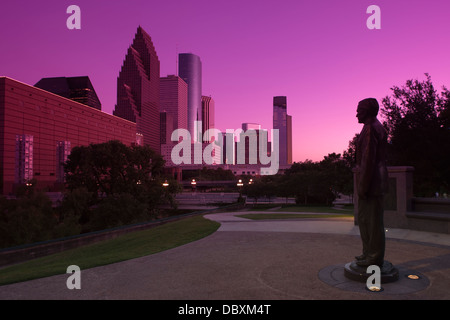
(166, 127)
(208, 106)
(138, 89)
(190, 70)
(250, 143)
(283, 122)
(174, 101)
(78, 89)
(289, 138)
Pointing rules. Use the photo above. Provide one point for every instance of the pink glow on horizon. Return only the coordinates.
(319, 54)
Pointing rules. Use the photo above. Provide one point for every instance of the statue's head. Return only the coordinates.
(367, 108)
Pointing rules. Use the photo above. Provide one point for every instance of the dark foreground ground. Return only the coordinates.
(260, 260)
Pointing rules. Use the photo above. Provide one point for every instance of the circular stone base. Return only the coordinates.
(335, 276)
(354, 272)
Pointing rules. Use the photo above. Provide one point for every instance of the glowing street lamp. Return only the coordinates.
(239, 185)
(165, 184)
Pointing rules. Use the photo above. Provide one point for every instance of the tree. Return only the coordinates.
(25, 219)
(112, 168)
(310, 183)
(117, 184)
(349, 155)
(416, 117)
(338, 173)
(254, 190)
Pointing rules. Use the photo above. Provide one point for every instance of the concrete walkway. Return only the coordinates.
(230, 222)
(260, 259)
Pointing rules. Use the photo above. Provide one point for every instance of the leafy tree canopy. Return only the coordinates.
(417, 118)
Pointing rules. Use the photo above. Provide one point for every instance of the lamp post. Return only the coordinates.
(239, 185)
(193, 184)
(165, 184)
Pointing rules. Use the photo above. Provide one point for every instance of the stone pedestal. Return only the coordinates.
(354, 272)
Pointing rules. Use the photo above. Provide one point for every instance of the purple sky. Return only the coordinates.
(319, 54)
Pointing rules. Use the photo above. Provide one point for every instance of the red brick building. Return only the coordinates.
(39, 128)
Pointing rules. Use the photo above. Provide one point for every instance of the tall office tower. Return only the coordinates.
(166, 126)
(190, 70)
(78, 89)
(251, 143)
(250, 126)
(138, 89)
(174, 101)
(283, 122)
(248, 145)
(289, 138)
(228, 148)
(208, 106)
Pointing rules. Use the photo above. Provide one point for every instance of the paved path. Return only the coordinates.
(230, 222)
(246, 259)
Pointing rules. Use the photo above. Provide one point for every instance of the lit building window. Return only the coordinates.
(24, 158)
(139, 139)
(62, 153)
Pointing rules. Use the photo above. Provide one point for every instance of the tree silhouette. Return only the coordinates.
(416, 117)
(118, 184)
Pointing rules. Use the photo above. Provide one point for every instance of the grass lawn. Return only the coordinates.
(316, 209)
(128, 246)
(267, 216)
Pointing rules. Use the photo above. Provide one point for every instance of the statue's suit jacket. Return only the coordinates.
(372, 176)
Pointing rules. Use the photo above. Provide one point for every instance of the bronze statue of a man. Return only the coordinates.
(371, 183)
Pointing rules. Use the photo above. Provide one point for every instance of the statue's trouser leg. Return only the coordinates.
(371, 227)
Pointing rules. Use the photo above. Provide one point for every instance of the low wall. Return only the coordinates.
(23, 253)
(438, 205)
(404, 211)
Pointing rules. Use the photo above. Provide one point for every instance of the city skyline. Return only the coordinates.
(320, 55)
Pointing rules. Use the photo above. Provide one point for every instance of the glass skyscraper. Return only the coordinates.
(283, 122)
(190, 70)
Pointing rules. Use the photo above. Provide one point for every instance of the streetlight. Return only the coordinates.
(239, 185)
(165, 184)
(193, 184)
